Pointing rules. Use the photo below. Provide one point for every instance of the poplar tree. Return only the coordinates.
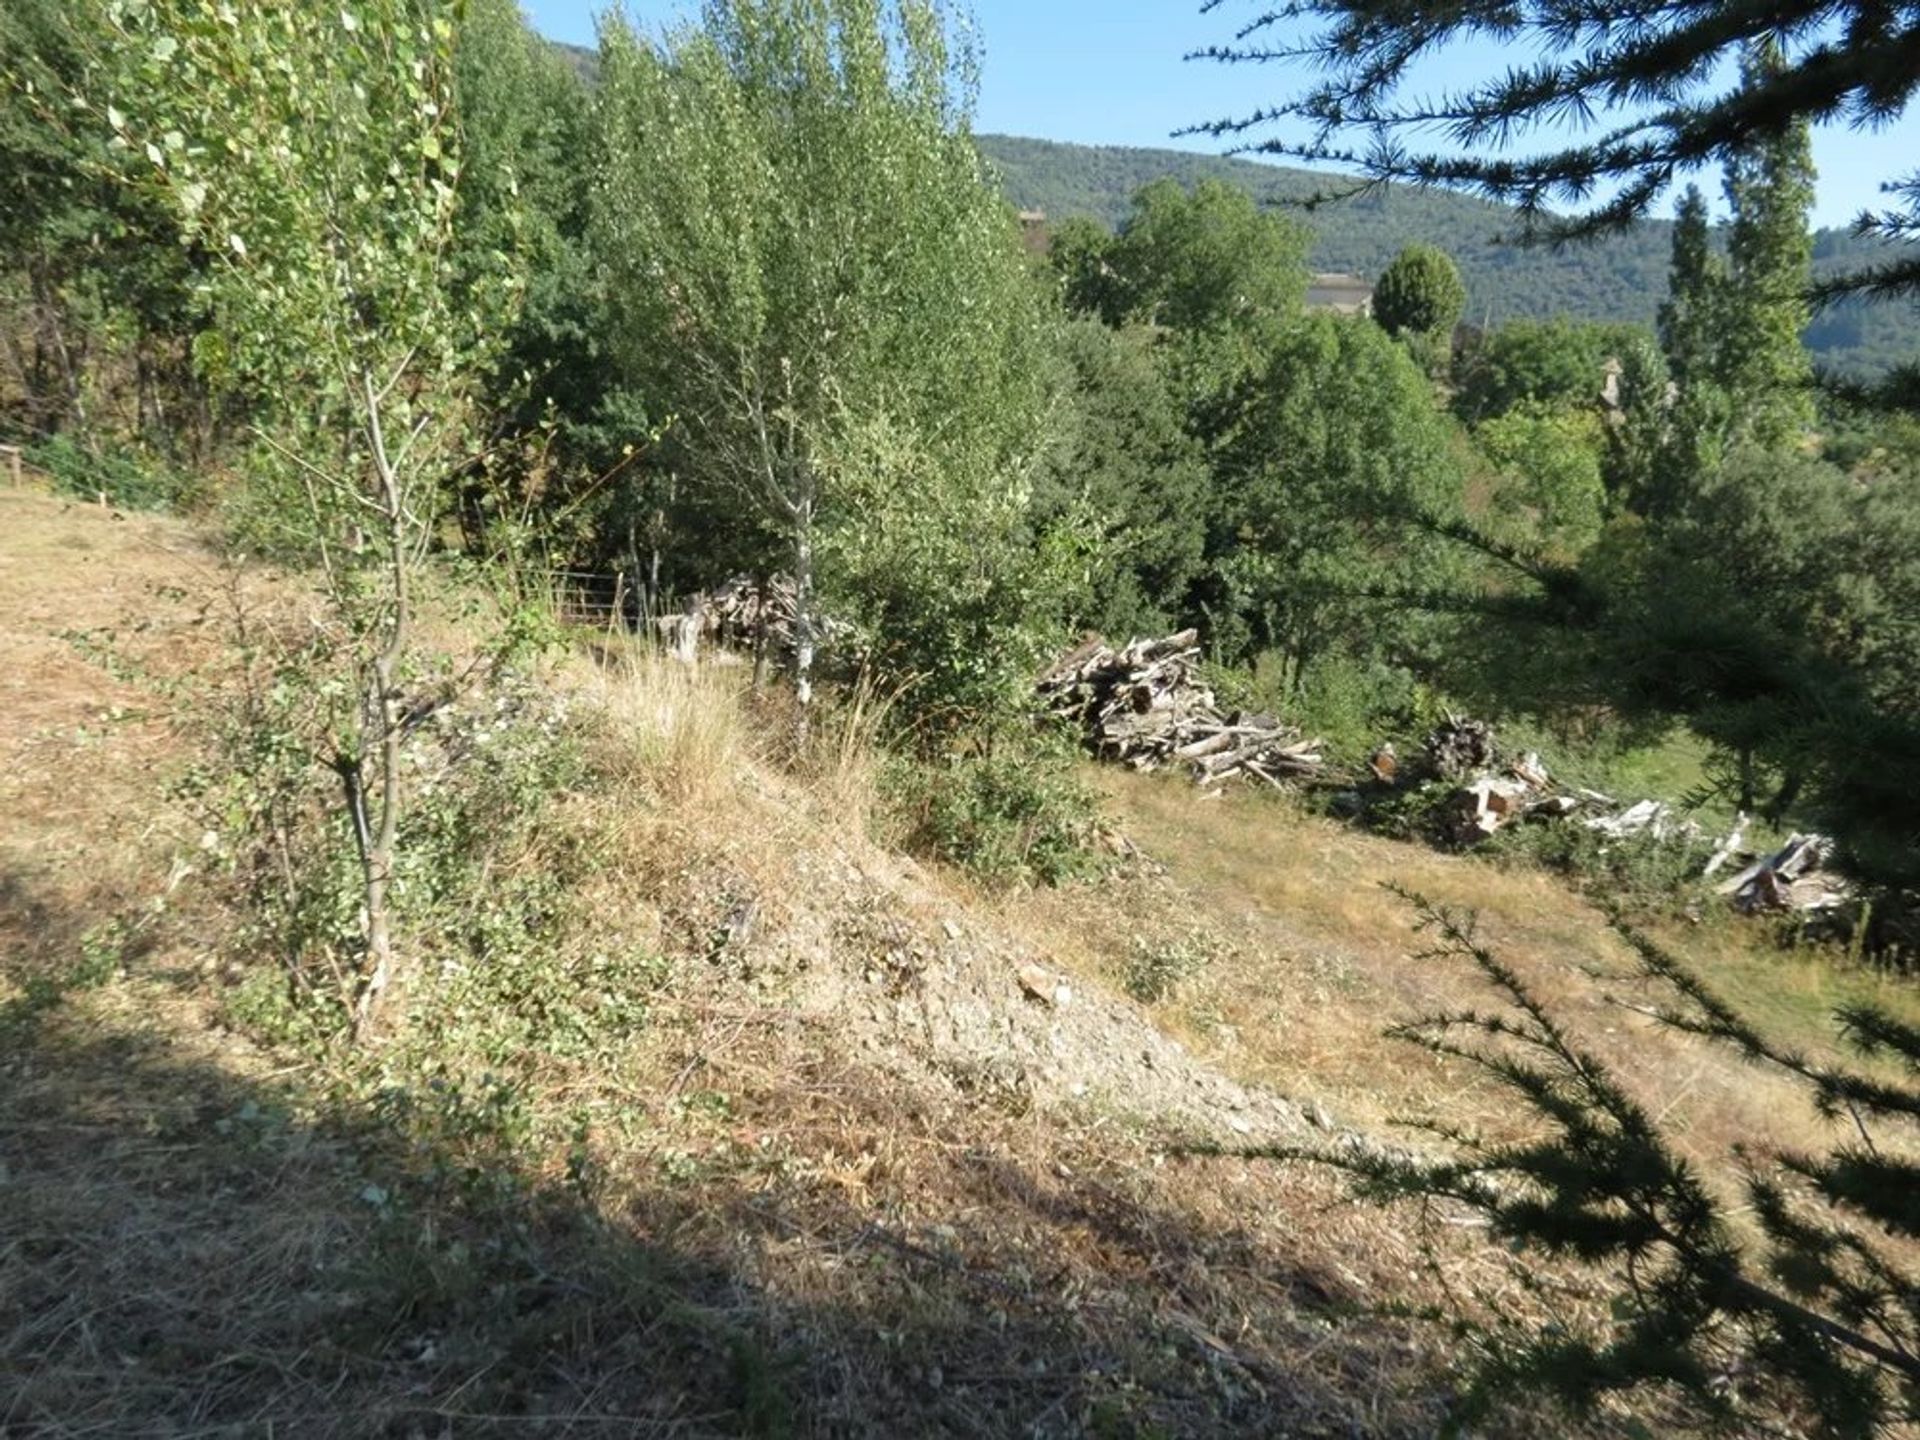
(1764, 362)
(810, 273)
(313, 150)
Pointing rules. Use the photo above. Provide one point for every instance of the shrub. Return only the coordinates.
(1639, 870)
(1013, 813)
(1158, 966)
(127, 478)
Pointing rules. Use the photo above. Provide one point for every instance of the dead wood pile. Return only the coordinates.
(1146, 706)
(1794, 877)
(1494, 792)
(745, 613)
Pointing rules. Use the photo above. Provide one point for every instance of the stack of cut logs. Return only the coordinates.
(738, 611)
(1146, 706)
(741, 613)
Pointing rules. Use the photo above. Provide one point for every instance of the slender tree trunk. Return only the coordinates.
(1785, 798)
(48, 307)
(762, 648)
(803, 621)
(381, 732)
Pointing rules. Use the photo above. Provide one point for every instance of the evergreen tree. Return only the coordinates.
(1636, 97)
(1764, 363)
(1125, 465)
(1689, 326)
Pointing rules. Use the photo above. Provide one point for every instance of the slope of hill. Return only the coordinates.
(1621, 279)
(860, 1162)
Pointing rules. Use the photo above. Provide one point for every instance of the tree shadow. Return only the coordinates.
(193, 1242)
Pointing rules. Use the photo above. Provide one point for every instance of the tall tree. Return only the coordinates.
(95, 282)
(1689, 326)
(1217, 277)
(1330, 491)
(1125, 461)
(1764, 362)
(813, 277)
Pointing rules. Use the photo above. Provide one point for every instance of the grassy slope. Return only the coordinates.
(850, 1179)
(1622, 279)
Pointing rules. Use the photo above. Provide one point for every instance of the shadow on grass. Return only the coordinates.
(187, 1250)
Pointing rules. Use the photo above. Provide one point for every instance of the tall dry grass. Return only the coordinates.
(681, 732)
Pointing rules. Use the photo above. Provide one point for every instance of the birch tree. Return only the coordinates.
(314, 148)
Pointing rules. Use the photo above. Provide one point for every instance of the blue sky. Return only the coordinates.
(1110, 72)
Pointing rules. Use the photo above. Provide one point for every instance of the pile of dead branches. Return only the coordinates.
(748, 614)
(1147, 706)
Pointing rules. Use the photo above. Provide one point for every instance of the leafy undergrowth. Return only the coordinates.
(711, 1116)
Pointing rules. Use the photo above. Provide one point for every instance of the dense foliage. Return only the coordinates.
(1615, 280)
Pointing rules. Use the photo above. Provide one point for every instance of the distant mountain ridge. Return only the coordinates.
(1620, 279)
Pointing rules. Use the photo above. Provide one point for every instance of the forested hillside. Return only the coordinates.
(1617, 280)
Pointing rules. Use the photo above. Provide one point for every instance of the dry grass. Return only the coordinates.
(1322, 961)
(771, 1210)
(679, 728)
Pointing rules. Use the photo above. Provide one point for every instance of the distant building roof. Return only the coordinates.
(1034, 232)
(1341, 293)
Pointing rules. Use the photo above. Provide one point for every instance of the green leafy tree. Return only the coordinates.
(1124, 465)
(1552, 492)
(1420, 295)
(1078, 253)
(1557, 362)
(1217, 276)
(811, 276)
(334, 318)
(95, 281)
(1764, 363)
(1330, 493)
(1690, 331)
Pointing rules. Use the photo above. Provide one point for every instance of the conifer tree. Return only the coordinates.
(1619, 101)
(1688, 325)
(1764, 362)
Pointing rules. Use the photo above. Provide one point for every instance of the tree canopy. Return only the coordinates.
(1622, 103)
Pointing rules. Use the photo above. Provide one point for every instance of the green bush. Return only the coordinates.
(1635, 870)
(1159, 965)
(129, 479)
(1015, 813)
